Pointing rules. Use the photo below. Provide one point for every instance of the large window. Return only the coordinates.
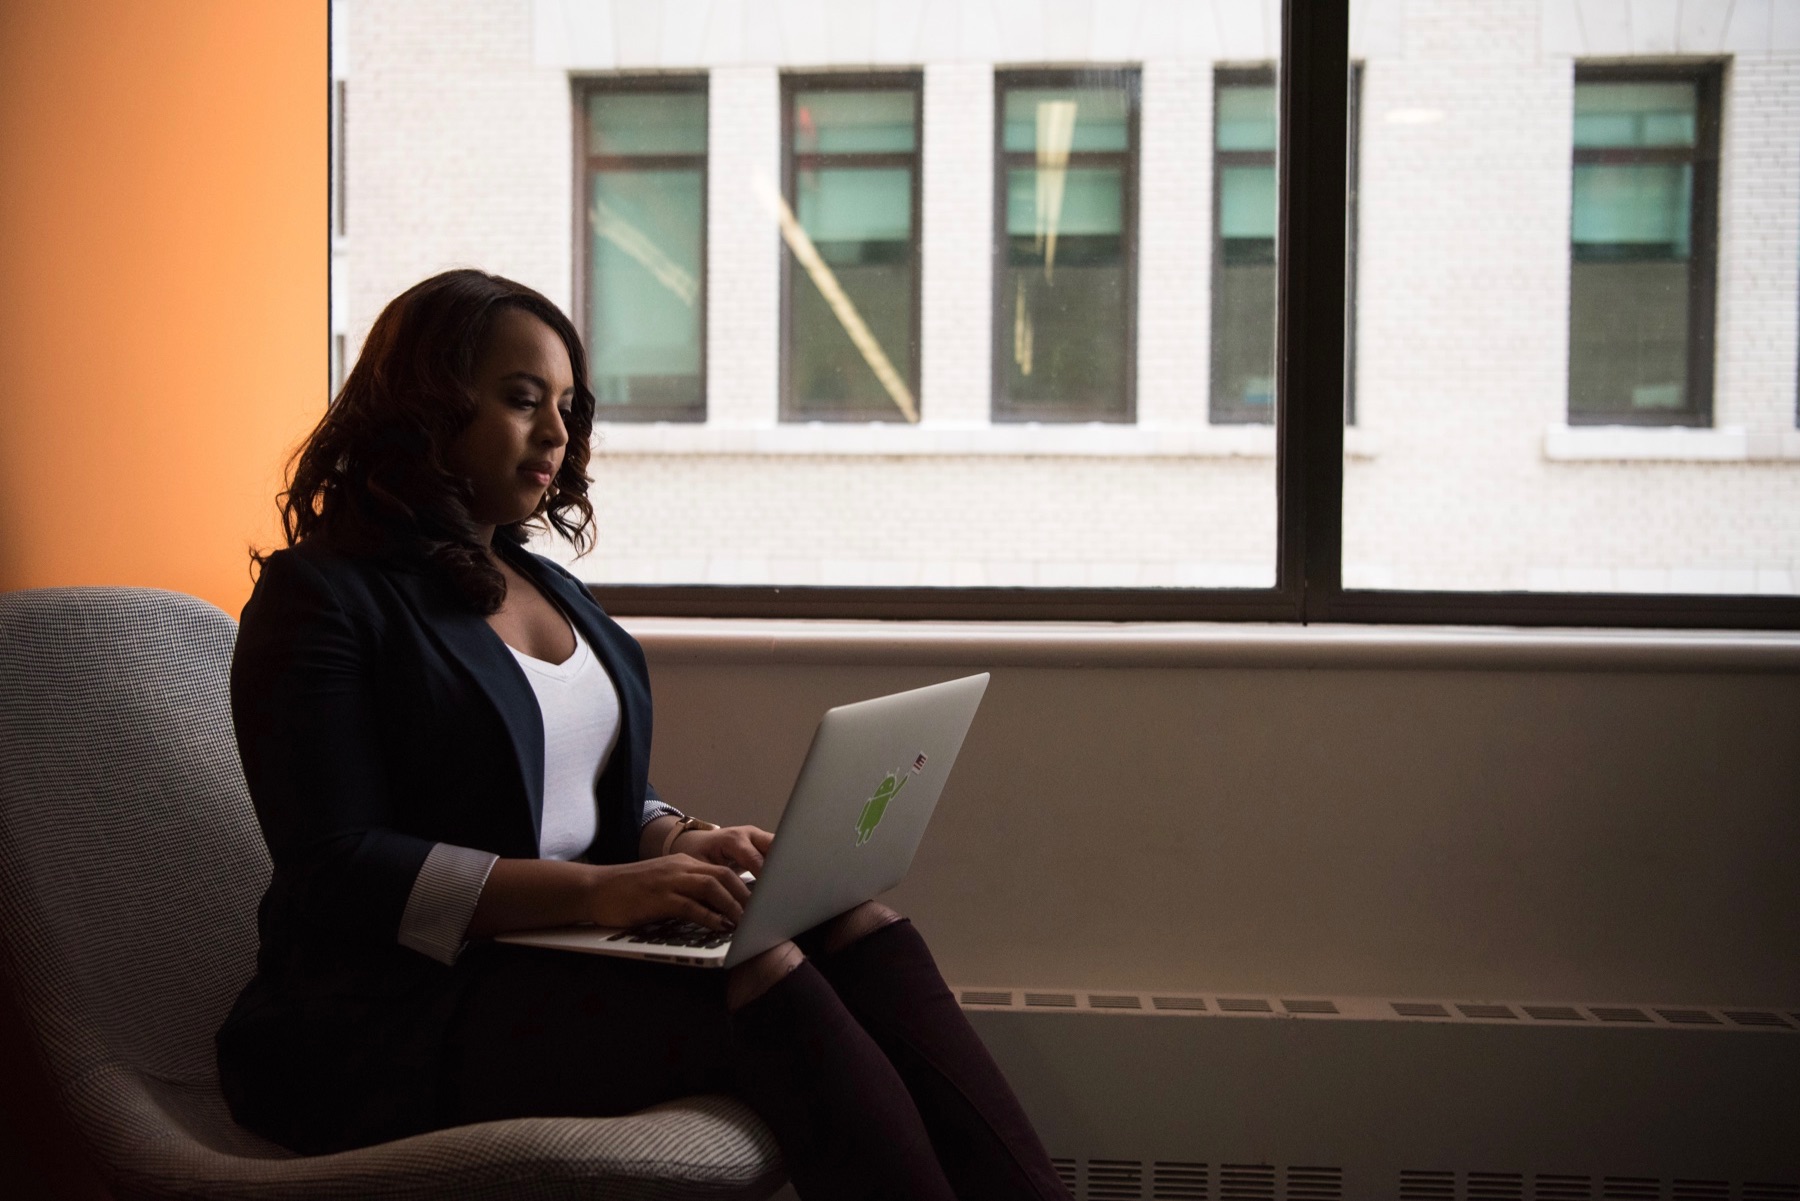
(1064, 328)
(1244, 207)
(1641, 245)
(851, 279)
(642, 278)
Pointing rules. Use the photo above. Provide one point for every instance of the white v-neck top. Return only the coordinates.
(580, 706)
(581, 727)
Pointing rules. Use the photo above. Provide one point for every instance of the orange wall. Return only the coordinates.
(163, 292)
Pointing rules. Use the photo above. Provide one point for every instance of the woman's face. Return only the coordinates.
(513, 448)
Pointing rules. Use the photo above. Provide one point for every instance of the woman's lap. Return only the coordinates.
(543, 1033)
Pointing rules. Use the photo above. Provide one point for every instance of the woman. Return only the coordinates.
(445, 739)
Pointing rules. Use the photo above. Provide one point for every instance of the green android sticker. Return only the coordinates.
(877, 805)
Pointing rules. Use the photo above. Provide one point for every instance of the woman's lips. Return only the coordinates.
(541, 473)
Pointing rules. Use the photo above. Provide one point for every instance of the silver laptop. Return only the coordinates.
(856, 815)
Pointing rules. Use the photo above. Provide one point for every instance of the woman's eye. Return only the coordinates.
(524, 402)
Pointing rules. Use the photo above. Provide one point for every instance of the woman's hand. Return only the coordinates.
(739, 847)
(674, 885)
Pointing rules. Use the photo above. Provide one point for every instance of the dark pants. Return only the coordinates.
(860, 1061)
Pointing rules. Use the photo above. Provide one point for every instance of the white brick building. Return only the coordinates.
(1464, 469)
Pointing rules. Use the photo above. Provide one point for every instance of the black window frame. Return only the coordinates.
(581, 87)
(1707, 76)
(791, 163)
(1001, 410)
(1309, 430)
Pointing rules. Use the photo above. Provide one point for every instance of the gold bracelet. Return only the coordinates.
(682, 827)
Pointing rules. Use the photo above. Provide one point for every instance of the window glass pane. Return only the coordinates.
(1057, 121)
(647, 123)
(1564, 358)
(1065, 305)
(1246, 118)
(856, 204)
(947, 324)
(1634, 114)
(840, 122)
(645, 315)
(1247, 204)
(1632, 210)
(1244, 208)
(850, 320)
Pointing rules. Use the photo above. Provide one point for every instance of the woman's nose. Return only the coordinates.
(554, 431)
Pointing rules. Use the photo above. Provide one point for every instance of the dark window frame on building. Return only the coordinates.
(1003, 409)
(585, 165)
(1313, 164)
(1703, 233)
(791, 164)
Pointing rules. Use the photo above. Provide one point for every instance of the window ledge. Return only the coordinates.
(978, 645)
(949, 439)
(1730, 443)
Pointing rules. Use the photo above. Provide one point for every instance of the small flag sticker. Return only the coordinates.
(918, 764)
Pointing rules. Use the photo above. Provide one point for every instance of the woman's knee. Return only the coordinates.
(856, 923)
(758, 974)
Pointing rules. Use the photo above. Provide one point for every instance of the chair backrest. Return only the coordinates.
(130, 859)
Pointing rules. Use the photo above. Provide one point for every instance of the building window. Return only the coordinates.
(1245, 205)
(1641, 245)
(642, 266)
(1064, 272)
(1244, 214)
(850, 313)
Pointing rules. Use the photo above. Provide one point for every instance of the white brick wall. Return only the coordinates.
(957, 211)
(743, 263)
(459, 153)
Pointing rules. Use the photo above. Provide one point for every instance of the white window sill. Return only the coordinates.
(978, 645)
(949, 440)
(1621, 443)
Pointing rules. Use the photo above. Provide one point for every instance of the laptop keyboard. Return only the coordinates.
(676, 932)
(673, 932)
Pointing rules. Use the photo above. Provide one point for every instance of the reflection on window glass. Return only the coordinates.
(852, 269)
(1244, 206)
(1636, 352)
(646, 220)
(1064, 285)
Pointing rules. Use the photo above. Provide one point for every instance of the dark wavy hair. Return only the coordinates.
(372, 479)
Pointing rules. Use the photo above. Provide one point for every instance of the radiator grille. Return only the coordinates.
(1066, 1171)
(1113, 1001)
(1771, 1192)
(1495, 1186)
(1701, 1190)
(1552, 1187)
(1618, 1013)
(1050, 1000)
(1114, 1179)
(1188, 1003)
(1417, 1185)
(1554, 1013)
(1489, 1012)
(1754, 1017)
(1420, 1009)
(976, 996)
(1631, 1188)
(1688, 1017)
(1178, 1181)
(1244, 1005)
(1314, 1184)
(1246, 1182)
(1309, 1006)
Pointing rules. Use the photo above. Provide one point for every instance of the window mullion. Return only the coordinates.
(1312, 158)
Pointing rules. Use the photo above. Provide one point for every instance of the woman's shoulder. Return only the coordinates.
(315, 573)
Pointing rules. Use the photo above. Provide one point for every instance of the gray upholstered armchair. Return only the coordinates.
(130, 867)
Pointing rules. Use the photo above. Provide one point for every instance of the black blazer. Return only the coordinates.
(377, 715)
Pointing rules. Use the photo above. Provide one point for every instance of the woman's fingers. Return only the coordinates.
(717, 896)
(762, 840)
